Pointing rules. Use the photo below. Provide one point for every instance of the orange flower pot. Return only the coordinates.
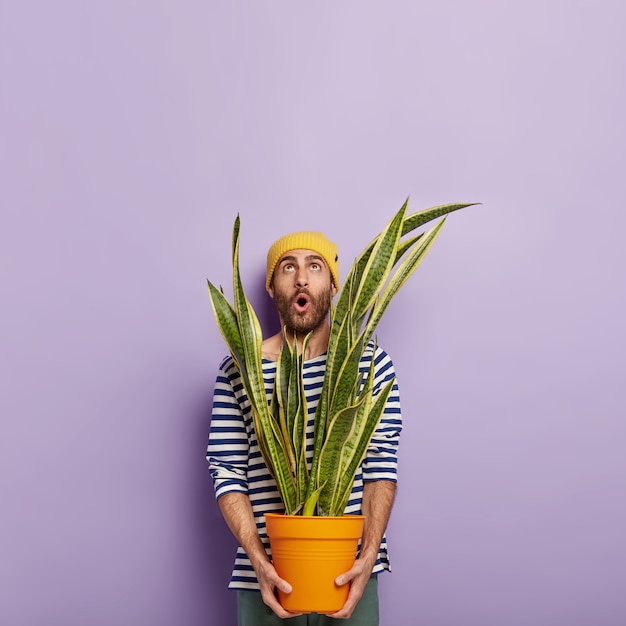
(309, 553)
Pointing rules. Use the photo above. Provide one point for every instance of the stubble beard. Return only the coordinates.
(303, 323)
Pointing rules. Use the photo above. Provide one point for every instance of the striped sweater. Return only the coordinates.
(236, 464)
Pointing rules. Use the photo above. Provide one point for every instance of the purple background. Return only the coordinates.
(134, 132)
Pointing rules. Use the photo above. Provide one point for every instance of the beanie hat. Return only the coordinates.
(305, 240)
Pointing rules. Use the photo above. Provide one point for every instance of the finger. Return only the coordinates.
(274, 580)
(344, 613)
(275, 605)
(282, 613)
(346, 577)
(272, 602)
(354, 595)
(283, 585)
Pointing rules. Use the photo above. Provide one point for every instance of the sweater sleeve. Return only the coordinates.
(227, 450)
(381, 460)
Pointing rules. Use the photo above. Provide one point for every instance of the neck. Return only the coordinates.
(317, 344)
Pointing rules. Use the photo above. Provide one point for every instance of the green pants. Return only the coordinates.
(252, 611)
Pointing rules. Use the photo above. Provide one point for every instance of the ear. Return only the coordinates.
(334, 290)
(270, 290)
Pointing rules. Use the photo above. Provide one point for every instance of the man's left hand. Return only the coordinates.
(357, 577)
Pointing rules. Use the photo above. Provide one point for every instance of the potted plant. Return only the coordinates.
(348, 410)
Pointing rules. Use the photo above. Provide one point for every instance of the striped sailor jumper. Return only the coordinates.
(236, 464)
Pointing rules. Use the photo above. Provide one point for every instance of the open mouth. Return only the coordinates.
(301, 303)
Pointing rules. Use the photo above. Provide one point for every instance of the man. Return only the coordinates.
(302, 278)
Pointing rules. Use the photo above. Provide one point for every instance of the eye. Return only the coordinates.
(316, 266)
(288, 267)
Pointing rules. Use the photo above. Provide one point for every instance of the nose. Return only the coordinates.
(302, 279)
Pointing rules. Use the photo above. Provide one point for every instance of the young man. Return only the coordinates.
(302, 278)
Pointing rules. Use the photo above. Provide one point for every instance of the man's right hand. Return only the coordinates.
(269, 581)
(237, 512)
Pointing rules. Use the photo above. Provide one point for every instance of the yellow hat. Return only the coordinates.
(304, 240)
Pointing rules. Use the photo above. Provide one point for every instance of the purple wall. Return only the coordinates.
(132, 134)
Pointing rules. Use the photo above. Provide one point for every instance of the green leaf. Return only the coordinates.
(349, 408)
(422, 217)
(311, 503)
(402, 274)
(353, 461)
(378, 265)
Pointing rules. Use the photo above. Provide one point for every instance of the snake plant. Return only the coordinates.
(348, 411)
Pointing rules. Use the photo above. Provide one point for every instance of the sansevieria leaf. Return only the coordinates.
(350, 405)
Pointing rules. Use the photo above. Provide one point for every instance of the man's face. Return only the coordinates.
(302, 289)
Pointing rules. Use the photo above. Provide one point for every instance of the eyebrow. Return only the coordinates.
(309, 257)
